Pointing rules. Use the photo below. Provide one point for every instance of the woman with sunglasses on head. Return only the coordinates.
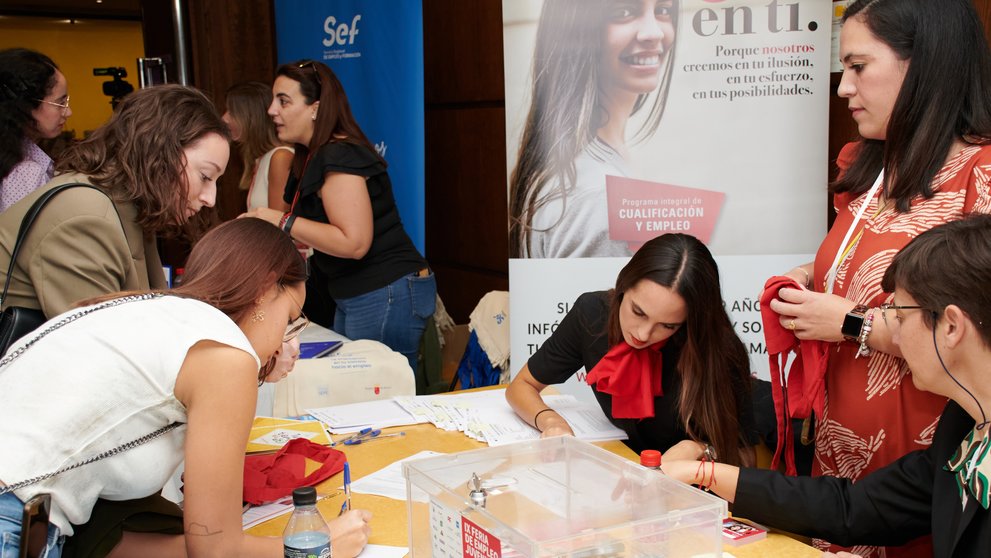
(195, 361)
(34, 105)
(916, 76)
(367, 279)
(939, 315)
(661, 354)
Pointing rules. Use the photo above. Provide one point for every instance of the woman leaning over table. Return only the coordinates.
(940, 317)
(341, 204)
(195, 360)
(157, 161)
(660, 351)
(916, 75)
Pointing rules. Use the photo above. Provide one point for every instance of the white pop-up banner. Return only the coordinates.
(631, 119)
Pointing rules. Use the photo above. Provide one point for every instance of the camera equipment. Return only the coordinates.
(116, 89)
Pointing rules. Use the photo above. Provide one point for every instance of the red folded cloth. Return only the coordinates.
(633, 378)
(268, 478)
(799, 390)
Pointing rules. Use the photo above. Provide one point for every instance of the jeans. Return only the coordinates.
(394, 315)
(11, 514)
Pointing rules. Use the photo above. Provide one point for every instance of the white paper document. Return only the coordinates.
(382, 551)
(487, 417)
(343, 419)
(260, 514)
(387, 481)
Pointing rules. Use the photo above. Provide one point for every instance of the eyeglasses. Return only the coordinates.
(888, 306)
(64, 106)
(296, 326)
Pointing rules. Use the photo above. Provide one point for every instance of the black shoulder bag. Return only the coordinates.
(16, 321)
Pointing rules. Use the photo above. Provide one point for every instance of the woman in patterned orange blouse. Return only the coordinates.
(916, 75)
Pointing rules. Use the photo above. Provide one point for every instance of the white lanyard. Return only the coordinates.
(834, 269)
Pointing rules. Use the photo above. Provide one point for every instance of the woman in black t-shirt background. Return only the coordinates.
(367, 279)
(661, 353)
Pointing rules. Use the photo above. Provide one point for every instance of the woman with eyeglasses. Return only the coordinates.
(916, 76)
(660, 354)
(123, 366)
(939, 315)
(154, 165)
(367, 279)
(34, 105)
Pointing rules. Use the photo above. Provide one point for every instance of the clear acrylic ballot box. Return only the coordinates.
(555, 497)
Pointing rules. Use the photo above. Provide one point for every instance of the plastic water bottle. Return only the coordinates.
(650, 459)
(307, 534)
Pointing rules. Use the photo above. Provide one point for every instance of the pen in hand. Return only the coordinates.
(346, 506)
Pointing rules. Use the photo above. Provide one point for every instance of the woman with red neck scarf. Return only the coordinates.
(661, 355)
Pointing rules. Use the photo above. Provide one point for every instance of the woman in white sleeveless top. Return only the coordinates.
(126, 366)
(266, 161)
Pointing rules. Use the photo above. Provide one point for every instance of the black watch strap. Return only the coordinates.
(853, 323)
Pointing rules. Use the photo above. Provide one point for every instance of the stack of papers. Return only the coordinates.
(487, 417)
(353, 417)
(483, 415)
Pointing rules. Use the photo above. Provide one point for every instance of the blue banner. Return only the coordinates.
(376, 49)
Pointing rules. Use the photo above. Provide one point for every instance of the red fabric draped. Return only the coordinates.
(799, 390)
(268, 478)
(632, 377)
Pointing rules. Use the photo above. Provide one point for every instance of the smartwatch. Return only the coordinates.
(853, 323)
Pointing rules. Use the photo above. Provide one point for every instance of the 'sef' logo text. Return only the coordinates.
(340, 34)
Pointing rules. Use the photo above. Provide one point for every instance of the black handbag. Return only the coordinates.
(16, 321)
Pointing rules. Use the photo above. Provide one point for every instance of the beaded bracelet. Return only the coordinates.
(865, 331)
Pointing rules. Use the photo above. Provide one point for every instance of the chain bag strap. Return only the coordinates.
(119, 449)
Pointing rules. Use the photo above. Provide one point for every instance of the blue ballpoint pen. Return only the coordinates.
(362, 433)
(347, 485)
(372, 438)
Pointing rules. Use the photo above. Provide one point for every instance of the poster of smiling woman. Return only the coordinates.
(628, 119)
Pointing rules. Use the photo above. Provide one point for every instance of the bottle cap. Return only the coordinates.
(650, 458)
(304, 496)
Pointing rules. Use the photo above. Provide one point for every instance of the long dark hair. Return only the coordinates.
(948, 264)
(565, 111)
(943, 98)
(714, 363)
(26, 77)
(334, 120)
(138, 154)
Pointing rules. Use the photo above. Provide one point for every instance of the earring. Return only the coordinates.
(314, 116)
(256, 314)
